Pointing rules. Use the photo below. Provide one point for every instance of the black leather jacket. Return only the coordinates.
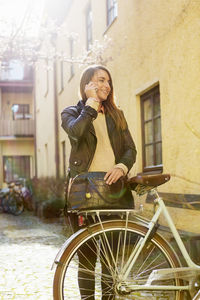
(77, 122)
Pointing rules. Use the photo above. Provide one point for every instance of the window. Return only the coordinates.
(20, 111)
(71, 51)
(61, 76)
(111, 11)
(46, 87)
(16, 167)
(89, 28)
(151, 131)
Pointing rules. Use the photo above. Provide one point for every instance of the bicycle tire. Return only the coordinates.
(4, 204)
(16, 206)
(65, 288)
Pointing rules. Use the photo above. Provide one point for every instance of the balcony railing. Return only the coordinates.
(15, 71)
(21, 128)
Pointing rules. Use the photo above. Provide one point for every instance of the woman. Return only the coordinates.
(97, 130)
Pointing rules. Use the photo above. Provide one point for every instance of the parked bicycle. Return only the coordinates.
(11, 199)
(141, 262)
(26, 194)
(15, 197)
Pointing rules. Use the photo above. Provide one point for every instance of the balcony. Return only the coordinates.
(15, 71)
(17, 128)
(16, 77)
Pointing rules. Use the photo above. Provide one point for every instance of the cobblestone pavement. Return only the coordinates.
(28, 247)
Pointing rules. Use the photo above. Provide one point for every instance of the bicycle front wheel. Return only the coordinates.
(92, 266)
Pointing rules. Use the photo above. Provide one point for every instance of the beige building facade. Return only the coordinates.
(45, 120)
(153, 53)
(17, 148)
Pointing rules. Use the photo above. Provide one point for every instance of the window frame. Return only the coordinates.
(61, 65)
(27, 170)
(71, 53)
(155, 168)
(112, 10)
(88, 23)
(23, 113)
(46, 90)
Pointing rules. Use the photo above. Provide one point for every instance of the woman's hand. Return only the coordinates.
(91, 89)
(113, 175)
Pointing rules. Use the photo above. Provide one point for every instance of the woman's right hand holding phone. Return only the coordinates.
(91, 89)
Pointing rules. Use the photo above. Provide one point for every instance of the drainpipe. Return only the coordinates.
(53, 41)
(35, 120)
(57, 158)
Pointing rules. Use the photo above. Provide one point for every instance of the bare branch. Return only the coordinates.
(195, 132)
(184, 178)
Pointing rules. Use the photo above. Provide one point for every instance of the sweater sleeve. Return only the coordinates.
(92, 102)
(123, 167)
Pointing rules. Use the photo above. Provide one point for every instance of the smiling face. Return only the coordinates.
(102, 79)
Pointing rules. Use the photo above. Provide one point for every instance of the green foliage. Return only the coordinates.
(49, 192)
(48, 189)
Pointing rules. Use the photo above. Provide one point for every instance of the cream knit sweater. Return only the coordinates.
(104, 159)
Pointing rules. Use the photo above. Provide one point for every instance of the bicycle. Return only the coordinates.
(11, 200)
(141, 262)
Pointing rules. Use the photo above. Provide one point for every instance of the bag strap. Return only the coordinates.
(97, 191)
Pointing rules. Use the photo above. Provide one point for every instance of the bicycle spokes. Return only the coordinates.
(99, 262)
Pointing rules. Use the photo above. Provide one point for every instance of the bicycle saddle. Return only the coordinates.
(149, 180)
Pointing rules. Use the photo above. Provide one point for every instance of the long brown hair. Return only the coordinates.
(109, 105)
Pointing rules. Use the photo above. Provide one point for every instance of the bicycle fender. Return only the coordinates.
(138, 220)
(64, 246)
(68, 241)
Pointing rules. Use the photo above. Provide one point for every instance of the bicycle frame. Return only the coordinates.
(182, 273)
(174, 231)
(172, 273)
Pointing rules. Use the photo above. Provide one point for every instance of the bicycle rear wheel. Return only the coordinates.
(16, 206)
(96, 258)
